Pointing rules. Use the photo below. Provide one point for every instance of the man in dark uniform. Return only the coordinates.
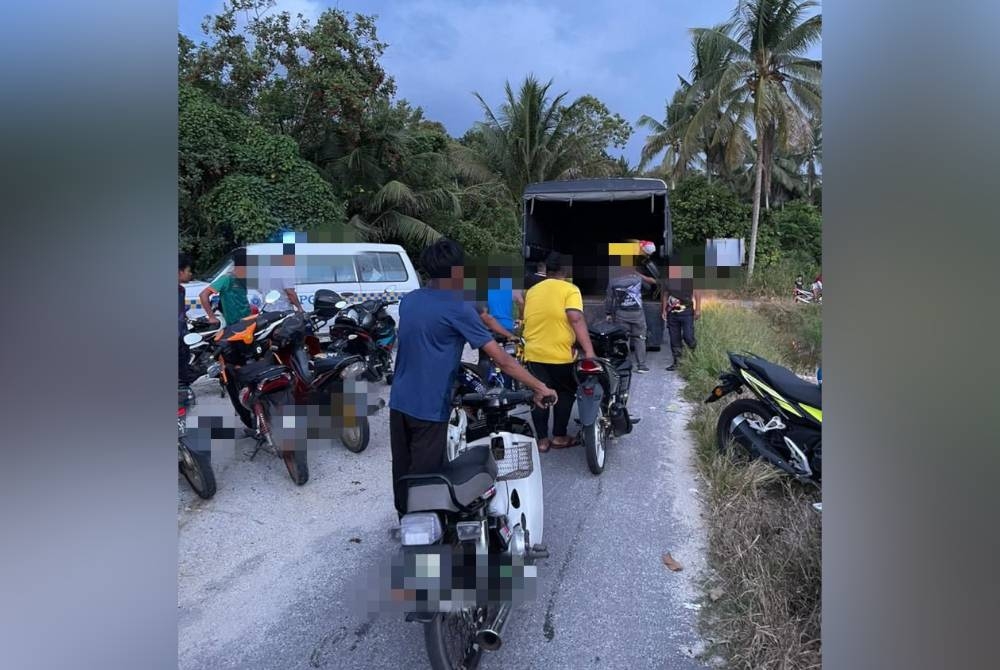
(680, 307)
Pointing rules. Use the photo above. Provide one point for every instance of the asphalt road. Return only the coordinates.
(268, 572)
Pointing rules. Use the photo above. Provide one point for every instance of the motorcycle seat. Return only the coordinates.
(257, 372)
(467, 477)
(265, 319)
(786, 382)
(327, 363)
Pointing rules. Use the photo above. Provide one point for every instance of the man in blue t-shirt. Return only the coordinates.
(435, 322)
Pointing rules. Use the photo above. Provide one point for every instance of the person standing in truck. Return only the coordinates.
(623, 305)
(680, 307)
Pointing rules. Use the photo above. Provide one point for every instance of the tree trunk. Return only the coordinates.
(758, 178)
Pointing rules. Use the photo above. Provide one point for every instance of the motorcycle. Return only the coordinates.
(807, 297)
(783, 425)
(194, 464)
(496, 377)
(200, 340)
(484, 505)
(602, 392)
(258, 384)
(317, 375)
(367, 330)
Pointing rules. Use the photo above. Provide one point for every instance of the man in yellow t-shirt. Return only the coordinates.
(553, 323)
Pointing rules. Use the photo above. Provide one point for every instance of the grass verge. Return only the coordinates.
(762, 602)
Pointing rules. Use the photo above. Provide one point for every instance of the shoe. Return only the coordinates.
(642, 368)
(671, 367)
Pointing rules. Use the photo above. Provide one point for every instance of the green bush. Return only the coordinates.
(700, 210)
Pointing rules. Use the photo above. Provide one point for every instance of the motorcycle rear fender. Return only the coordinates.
(728, 383)
(588, 404)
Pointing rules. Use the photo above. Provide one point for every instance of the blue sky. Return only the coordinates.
(626, 54)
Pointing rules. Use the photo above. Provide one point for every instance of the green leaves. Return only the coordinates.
(240, 183)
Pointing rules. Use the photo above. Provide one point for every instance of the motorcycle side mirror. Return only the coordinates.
(390, 289)
(192, 339)
(271, 297)
(340, 304)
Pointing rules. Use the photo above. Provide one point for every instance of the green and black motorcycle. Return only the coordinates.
(783, 426)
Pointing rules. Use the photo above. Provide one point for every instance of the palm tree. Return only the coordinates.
(767, 78)
(525, 141)
(692, 127)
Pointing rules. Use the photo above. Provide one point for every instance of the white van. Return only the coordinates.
(357, 271)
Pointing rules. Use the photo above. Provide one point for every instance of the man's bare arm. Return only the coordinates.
(579, 326)
(206, 305)
(490, 322)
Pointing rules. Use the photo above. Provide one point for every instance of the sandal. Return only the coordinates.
(544, 445)
(566, 445)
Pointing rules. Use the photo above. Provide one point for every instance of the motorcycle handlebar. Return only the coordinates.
(503, 398)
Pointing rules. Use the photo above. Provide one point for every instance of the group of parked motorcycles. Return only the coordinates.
(276, 361)
(485, 504)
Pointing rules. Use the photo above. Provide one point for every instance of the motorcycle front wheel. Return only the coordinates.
(595, 438)
(196, 466)
(451, 641)
(747, 408)
(356, 437)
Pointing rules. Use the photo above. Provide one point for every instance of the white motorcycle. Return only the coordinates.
(483, 508)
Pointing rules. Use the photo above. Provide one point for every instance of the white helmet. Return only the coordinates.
(647, 247)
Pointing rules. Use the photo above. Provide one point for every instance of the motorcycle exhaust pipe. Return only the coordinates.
(759, 446)
(489, 637)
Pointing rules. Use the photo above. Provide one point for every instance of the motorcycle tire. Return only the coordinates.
(295, 459)
(438, 651)
(196, 466)
(246, 416)
(595, 444)
(356, 439)
(723, 431)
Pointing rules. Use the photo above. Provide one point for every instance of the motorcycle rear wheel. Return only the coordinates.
(295, 459)
(595, 437)
(451, 642)
(196, 466)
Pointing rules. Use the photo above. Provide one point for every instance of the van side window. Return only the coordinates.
(381, 267)
(324, 269)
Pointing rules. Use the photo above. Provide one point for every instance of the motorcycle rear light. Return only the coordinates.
(272, 385)
(421, 528)
(589, 367)
(181, 411)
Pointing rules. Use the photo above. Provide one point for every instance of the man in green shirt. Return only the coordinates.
(232, 290)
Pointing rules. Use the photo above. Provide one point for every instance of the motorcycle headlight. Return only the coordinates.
(419, 529)
(352, 370)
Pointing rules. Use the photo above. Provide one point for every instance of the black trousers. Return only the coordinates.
(558, 377)
(681, 327)
(417, 446)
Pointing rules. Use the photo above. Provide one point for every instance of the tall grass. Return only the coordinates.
(764, 535)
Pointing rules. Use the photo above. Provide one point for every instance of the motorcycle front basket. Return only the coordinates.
(516, 462)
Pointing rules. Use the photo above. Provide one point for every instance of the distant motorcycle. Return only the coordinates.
(783, 425)
(602, 392)
(367, 330)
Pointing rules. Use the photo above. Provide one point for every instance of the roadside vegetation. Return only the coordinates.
(762, 595)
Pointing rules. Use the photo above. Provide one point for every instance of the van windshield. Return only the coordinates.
(219, 269)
